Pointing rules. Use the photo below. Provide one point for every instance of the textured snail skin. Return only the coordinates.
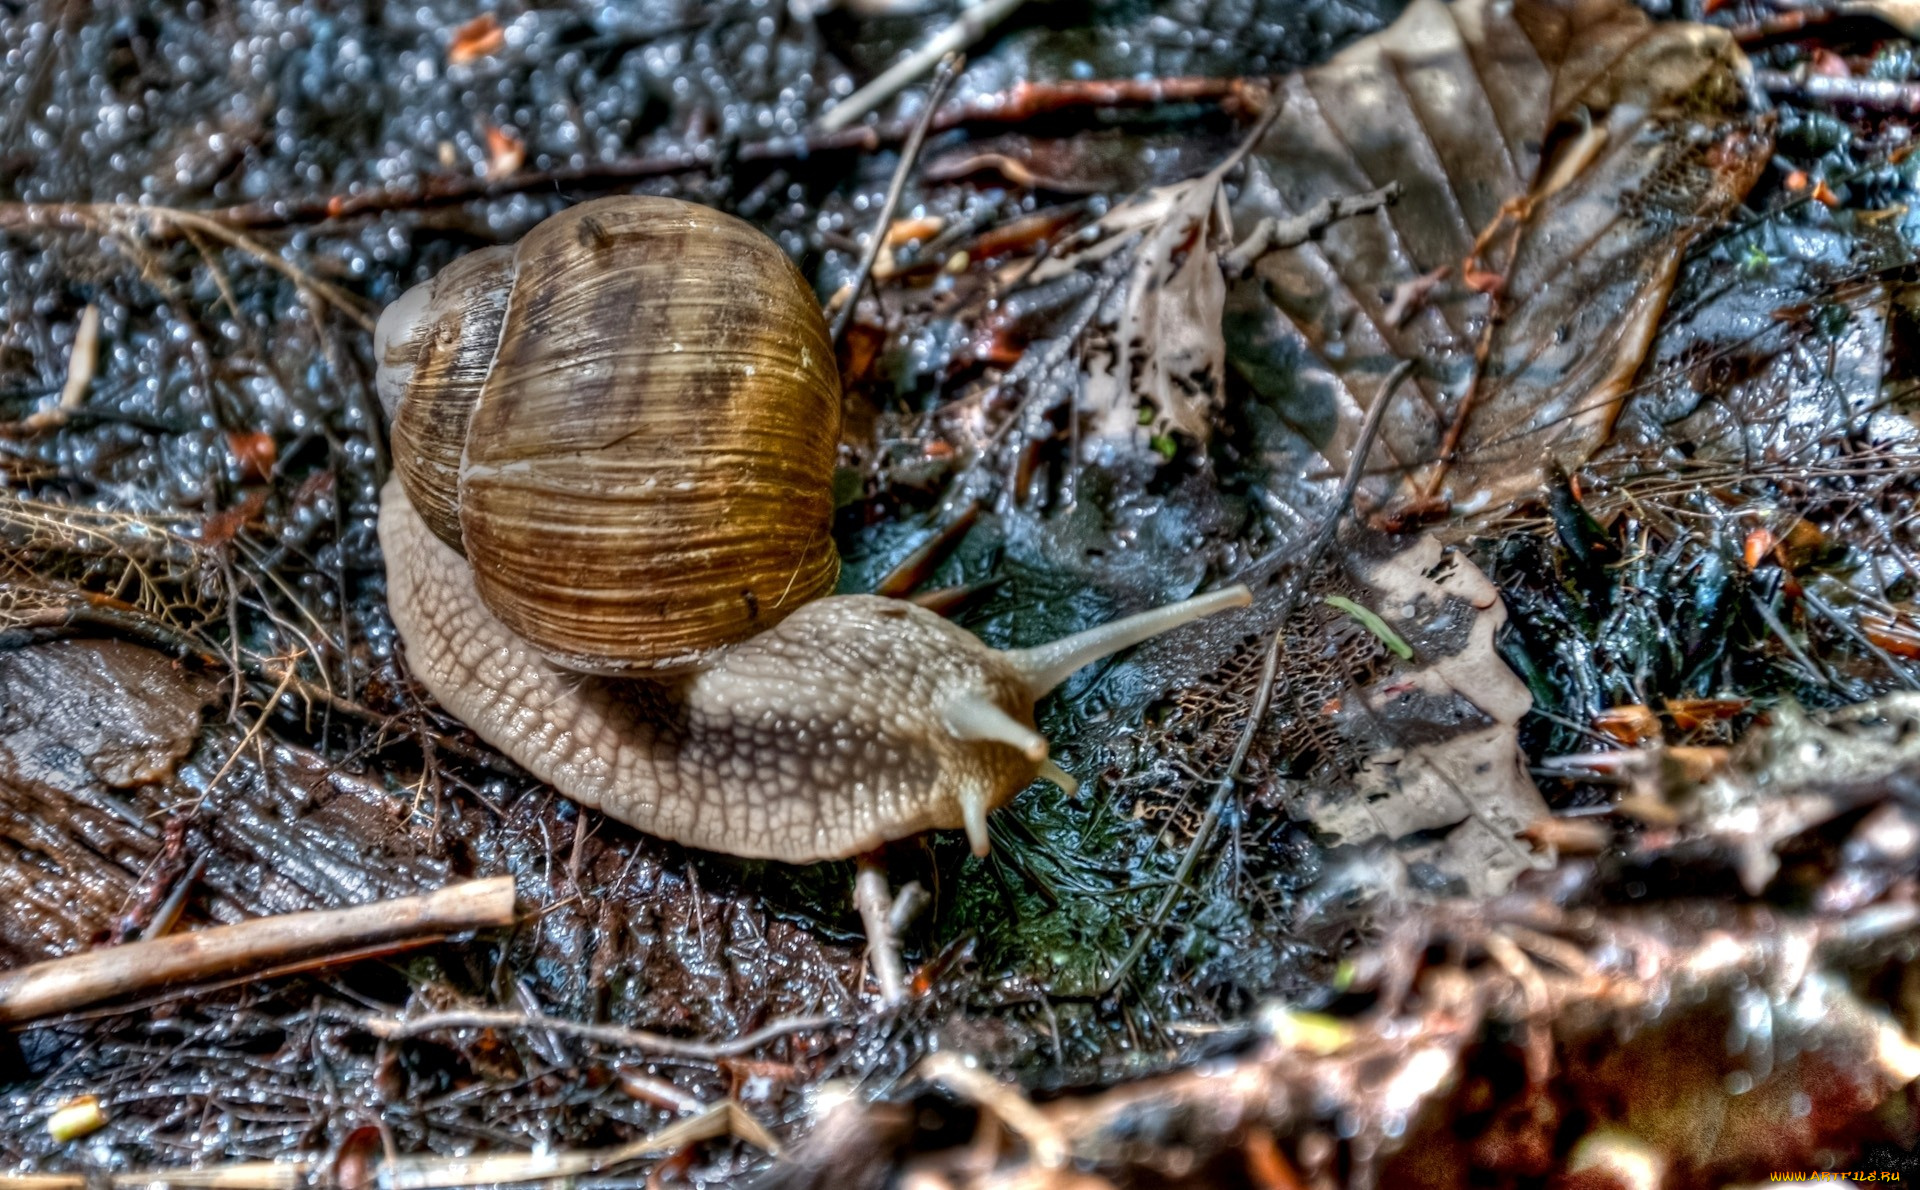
(822, 738)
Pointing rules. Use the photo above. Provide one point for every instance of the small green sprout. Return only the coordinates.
(1374, 624)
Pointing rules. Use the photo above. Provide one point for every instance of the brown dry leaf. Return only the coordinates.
(506, 153)
(1451, 766)
(73, 713)
(1716, 1087)
(478, 38)
(102, 740)
(1558, 157)
(1903, 15)
(1156, 347)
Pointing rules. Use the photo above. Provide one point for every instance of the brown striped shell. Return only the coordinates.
(627, 422)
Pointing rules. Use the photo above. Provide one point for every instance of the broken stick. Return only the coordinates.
(250, 948)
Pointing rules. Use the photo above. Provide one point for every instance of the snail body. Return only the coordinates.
(607, 551)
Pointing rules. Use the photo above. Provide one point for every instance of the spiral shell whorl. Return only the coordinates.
(432, 349)
(645, 473)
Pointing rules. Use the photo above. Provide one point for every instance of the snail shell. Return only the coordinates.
(627, 423)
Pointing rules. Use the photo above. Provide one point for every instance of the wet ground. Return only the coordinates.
(214, 499)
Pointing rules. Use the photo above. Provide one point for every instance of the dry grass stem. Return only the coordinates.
(81, 361)
(134, 223)
(971, 27)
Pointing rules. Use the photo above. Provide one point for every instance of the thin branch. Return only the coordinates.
(971, 26)
(426, 1172)
(612, 1035)
(949, 70)
(1272, 233)
(1016, 105)
(64, 984)
(489, 1169)
(1885, 95)
(134, 222)
(81, 361)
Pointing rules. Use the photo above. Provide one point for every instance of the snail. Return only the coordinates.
(608, 553)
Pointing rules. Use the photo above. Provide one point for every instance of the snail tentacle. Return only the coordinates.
(1043, 667)
(1068, 783)
(974, 717)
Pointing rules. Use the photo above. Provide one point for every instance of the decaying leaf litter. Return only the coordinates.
(1738, 540)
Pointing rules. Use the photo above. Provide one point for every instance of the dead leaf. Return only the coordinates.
(506, 153)
(1903, 15)
(1715, 1087)
(1155, 361)
(1118, 161)
(1447, 762)
(1632, 724)
(223, 526)
(256, 452)
(478, 38)
(1559, 155)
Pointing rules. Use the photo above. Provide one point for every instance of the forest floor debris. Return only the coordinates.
(191, 581)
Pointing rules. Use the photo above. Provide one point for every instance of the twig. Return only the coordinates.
(1256, 713)
(1013, 106)
(905, 578)
(129, 623)
(125, 220)
(167, 915)
(1772, 619)
(1889, 95)
(1860, 638)
(613, 1035)
(432, 1173)
(486, 758)
(234, 754)
(1044, 1138)
(949, 70)
(1273, 233)
(971, 27)
(1309, 561)
(61, 985)
(241, 1175)
(81, 361)
(638, 1085)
